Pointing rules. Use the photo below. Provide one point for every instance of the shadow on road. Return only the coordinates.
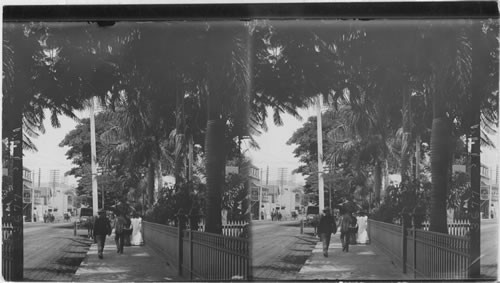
(71, 262)
(290, 224)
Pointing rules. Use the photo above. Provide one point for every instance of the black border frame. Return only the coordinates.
(357, 10)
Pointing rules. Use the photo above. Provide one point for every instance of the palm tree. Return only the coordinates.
(33, 82)
(450, 78)
(227, 69)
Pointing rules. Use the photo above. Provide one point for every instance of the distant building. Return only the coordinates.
(255, 187)
(488, 193)
(56, 198)
(27, 194)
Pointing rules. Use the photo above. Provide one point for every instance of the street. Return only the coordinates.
(489, 248)
(279, 250)
(51, 252)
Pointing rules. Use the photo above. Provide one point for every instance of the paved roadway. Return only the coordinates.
(489, 248)
(279, 250)
(51, 252)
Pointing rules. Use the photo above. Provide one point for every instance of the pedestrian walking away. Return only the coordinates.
(127, 231)
(120, 225)
(326, 227)
(362, 224)
(353, 230)
(136, 238)
(102, 227)
(345, 223)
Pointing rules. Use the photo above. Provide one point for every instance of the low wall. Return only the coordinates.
(161, 238)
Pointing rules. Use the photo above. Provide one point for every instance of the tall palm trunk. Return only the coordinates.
(440, 162)
(151, 182)
(159, 177)
(15, 216)
(378, 181)
(190, 158)
(215, 167)
(180, 139)
(475, 157)
(405, 156)
(385, 179)
(417, 158)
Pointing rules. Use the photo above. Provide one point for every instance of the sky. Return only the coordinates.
(274, 152)
(273, 149)
(49, 155)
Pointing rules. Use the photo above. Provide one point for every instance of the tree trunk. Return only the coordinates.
(440, 162)
(151, 183)
(378, 181)
(405, 143)
(417, 158)
(159, 177)
(475, 156)
(385, 178)
(215, 167)
(15, 216)
(180, 129)
(190, 158)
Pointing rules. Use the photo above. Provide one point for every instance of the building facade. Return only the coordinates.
(28, 212)
(54, 198)
(489, 192)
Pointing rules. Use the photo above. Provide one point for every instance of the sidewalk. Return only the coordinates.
(362, 262)
(136, 264)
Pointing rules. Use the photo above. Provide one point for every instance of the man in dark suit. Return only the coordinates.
(102, 227)
(326, 227)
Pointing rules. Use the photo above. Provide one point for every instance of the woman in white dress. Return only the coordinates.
(362, 233)
(136, 237)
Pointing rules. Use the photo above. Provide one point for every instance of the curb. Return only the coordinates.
(76, 276)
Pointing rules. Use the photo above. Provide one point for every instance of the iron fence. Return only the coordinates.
(438, 255)
(210, 256)
(201, 255)
(231, 228)
(386, 236)
(428, 255)
(12, 245)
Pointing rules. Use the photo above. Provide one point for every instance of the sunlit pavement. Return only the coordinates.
(489, 248)
(365, 262)
(279, 250)
(136, 264)
(362, 262)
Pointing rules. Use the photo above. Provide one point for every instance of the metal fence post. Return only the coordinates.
(301, 226)
(405, 221)
(74, 233)
(193, 226)
(414, 231)
(180, 217)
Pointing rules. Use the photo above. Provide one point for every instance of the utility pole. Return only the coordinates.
(321, 184)
(102, 196)
(267, 176)
(281, 173)
(260, 201)
(93, 158)
(260, 193)
(32, 196)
